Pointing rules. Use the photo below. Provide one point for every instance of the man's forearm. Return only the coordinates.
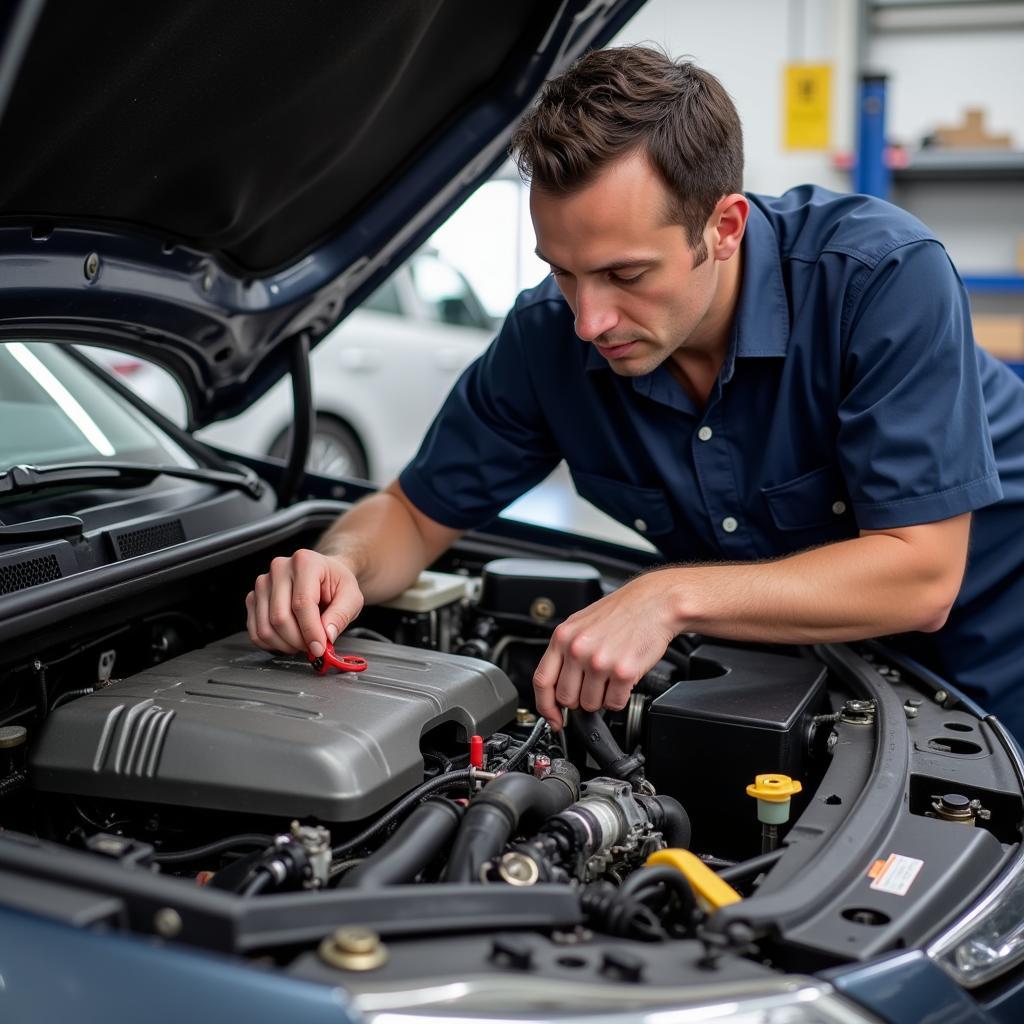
(869, 586)
(384, 544)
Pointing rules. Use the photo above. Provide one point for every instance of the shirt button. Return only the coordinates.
(729, 524)
(640, 525)
(839, 507)
(704, 433)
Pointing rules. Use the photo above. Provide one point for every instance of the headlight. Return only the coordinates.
(787, 1000)
(989, 939)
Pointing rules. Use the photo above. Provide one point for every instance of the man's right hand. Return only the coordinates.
(284, 608)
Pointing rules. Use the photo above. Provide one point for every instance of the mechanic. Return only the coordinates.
(782, 394)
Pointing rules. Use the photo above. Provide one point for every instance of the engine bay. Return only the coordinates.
(417, 819)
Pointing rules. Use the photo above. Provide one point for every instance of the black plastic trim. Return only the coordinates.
(842, 857)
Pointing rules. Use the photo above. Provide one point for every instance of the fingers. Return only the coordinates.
(281, 615)
(592, 693)
(544, 681)
(261, 631)
(595, 658)
(283, 608)
(308, 575)
(343, 607)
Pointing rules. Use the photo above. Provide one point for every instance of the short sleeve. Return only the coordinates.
(913, 435)
(489, 443)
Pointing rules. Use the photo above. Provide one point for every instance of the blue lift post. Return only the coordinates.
(872, 177)
(871, 174)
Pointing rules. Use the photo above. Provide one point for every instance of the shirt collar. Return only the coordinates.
(761, 324)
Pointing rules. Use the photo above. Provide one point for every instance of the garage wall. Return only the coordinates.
(746, 44)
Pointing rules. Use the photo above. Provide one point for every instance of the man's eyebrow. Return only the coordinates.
(623, 264)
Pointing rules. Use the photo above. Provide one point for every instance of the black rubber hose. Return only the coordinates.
(416, 842)
(12, 783)
(495, 814)
(211, 849)
(531, 741)
(72, 695)
(641, 882)
(258, 882)
(44, 702)
(655, 887)
(751, 868)
(399, 809)
(669, 817)
(303, 420)
(597, 738)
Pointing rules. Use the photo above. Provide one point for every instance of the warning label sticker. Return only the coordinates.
(895, 875)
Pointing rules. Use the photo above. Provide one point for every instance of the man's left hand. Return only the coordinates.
(598, 655)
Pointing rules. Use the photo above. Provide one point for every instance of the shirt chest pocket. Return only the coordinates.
(644, 509)
(813, 501)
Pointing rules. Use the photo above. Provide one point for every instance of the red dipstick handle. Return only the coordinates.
(476, 751)
(342, 662)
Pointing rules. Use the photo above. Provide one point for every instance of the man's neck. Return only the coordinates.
(695, 366)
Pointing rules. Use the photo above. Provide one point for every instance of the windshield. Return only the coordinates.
(52, 409)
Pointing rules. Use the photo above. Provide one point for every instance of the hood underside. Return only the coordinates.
(242, 171)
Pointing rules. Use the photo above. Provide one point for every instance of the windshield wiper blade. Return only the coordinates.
(23, 479)
(41, 529)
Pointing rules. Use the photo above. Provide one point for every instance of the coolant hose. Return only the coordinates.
(417, 841)
(669, 817)
(495, 814)
(592, 729)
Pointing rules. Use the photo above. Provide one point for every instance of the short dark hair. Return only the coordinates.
(611, 102)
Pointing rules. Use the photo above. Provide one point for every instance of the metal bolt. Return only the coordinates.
(207, 280)
(981, 812)
(910, 710)
(354, 949)
(940, 696)
(92, 266)
(167, 923)
(542, 609)
(830, 743)
(858, 712)
(518, 869)
(524, 716)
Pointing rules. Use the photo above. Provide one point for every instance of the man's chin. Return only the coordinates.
(638, 365)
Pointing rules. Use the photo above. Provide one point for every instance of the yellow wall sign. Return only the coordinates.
(808, 106)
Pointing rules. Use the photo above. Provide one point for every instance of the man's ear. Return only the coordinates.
(728, 221)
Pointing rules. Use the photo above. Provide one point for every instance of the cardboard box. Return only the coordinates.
(970, 134)
(1002, 334)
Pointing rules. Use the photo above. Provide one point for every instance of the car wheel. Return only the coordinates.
(334, 450)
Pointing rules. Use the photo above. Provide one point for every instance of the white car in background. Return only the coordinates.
(377, 379)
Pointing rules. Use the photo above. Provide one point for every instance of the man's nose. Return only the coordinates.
(595, 314)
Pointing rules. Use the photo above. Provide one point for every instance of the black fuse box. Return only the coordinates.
(741, 714)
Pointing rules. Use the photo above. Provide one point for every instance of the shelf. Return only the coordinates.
(993, 283)
(961, 165)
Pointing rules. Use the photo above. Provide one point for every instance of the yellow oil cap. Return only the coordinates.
(776, 789)
(710, 890)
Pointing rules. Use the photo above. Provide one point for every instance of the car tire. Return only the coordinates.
(334, 450)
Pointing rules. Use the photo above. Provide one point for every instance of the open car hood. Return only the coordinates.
(203, 184)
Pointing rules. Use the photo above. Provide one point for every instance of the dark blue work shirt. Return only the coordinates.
(852, 397)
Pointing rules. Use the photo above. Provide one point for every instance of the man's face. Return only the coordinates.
(626, 272)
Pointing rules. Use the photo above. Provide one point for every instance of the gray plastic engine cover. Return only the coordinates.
(232, 728)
